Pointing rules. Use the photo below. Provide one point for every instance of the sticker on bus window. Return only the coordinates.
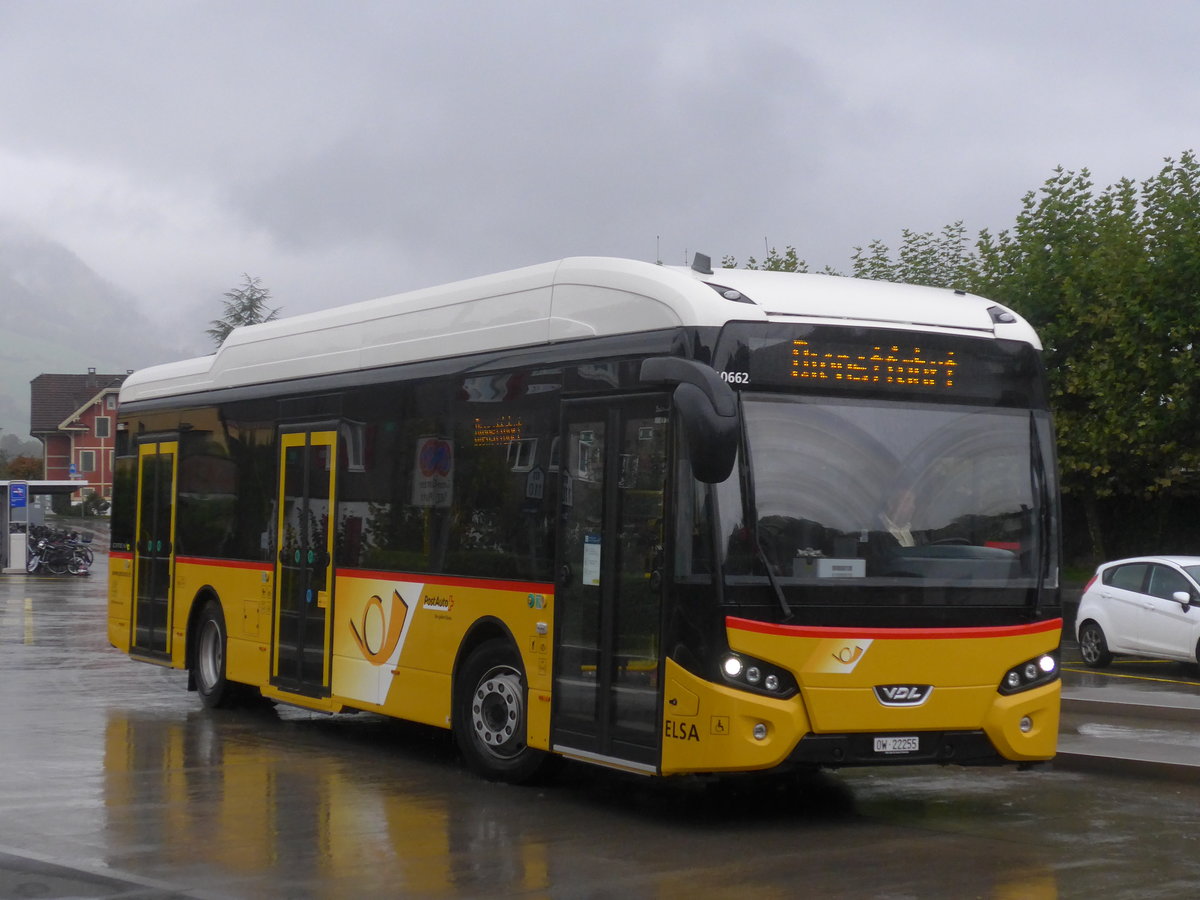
(591, 559)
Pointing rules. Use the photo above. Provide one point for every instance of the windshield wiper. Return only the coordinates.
(762, 557)
(748, 480)
(1038, 475)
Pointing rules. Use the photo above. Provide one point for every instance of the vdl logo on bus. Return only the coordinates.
(903, 694)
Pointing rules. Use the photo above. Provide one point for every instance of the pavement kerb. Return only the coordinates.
(1177, 712)
(1112, 764)
(1087, 754)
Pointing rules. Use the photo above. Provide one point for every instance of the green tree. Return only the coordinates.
(244, 305)
(774, 261)
(1111, 280)
(937, 260)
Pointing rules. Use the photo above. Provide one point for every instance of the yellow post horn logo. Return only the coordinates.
(390, 628)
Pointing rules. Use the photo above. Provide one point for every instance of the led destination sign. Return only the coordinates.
(885, 364)
(880, 362)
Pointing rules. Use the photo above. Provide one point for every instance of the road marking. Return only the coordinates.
(1123, 675)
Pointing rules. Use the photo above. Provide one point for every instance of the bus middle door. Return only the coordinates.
(304, 566)
(609, 604)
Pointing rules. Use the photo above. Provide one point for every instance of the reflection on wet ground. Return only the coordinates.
(1129, 673)
(117, 784)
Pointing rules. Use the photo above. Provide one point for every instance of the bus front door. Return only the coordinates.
(304, 575)
(609, 606)
(154, 554)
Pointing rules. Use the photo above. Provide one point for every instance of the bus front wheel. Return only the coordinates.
(489, 715)
(208, 658)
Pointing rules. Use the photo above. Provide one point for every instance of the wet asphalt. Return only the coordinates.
(114, 782)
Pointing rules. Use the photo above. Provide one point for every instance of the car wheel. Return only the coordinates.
(1092, 646)
(490, 715)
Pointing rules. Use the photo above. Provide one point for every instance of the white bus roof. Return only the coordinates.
(578, 297)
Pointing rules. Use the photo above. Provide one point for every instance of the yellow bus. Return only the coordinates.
(664, 519)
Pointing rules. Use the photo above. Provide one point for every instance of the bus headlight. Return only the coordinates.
(755, 675)
(1031, 673)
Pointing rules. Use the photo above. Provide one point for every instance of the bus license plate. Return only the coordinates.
(897, 744)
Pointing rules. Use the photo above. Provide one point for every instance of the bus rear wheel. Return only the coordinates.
(208, 658)
(490, 715)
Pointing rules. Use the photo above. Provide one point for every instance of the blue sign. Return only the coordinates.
(18, 492)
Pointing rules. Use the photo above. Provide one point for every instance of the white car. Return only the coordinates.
(1145, 606)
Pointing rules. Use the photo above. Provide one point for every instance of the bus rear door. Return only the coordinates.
(609, 607)
(154, 554)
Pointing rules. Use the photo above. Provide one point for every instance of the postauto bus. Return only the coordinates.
(664, 519)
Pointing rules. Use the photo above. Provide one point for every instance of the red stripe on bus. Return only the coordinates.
(903, 634)
(446, 580)
(449, 581)
(224, 563)
(119, 554)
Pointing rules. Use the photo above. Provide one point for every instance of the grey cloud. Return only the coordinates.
(420, 141)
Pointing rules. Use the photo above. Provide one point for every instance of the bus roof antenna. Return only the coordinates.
(702, 264)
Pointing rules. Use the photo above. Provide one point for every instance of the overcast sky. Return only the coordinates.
(351, 149)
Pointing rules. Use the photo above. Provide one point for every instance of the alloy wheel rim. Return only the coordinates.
(1090, 646)
(210, 655)
(496, 712)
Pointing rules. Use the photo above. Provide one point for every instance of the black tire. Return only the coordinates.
(1093, 646)
(208, 658)
(56, 563)
(490, 702)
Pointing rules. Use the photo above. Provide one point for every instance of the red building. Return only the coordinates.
(75, 418)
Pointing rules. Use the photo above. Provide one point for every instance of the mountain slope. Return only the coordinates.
(61, 316)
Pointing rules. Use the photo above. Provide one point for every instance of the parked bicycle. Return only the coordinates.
(57, 552)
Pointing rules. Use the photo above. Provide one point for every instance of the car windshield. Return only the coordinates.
(852, 492)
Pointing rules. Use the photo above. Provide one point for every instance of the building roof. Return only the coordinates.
(55, 398)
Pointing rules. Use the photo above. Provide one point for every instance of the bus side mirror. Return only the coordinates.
(708, 413)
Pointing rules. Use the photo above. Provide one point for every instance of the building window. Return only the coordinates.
(110, 402)
(87, 460)
(103, 426)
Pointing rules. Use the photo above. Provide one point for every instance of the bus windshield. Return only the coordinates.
(844, 493)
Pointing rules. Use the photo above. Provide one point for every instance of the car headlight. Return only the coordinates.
(1031, 673)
